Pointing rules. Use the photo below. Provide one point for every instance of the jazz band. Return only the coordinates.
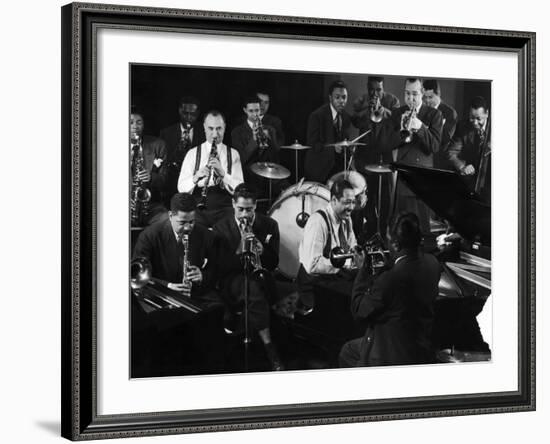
(331, 229)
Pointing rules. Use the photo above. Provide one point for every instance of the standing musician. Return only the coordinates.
(262, 232)
(376, 101)
(180, 138)
(255, 140)
(397, 304)
(270, 119)
(432, 98)
(325, 230)
(163, 244)
(412, 135)
(147, 167)
(211, 172)
(329, 123)
(470, 149)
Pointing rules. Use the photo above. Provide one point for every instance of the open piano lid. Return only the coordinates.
(446, 193)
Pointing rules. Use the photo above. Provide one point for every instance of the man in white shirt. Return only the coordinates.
(325, 230)
(211, 174)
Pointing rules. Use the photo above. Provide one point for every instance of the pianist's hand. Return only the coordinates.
(468, 170)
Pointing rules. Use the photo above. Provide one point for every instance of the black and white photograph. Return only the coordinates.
(290, 220)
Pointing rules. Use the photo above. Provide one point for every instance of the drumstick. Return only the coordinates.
(360, 136)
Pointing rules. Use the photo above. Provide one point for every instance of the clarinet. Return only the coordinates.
(204, 192)
(185, 242)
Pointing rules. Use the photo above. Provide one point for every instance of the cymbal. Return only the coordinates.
(269, 170)
(296, 146)
(345, 143)
(378, 168)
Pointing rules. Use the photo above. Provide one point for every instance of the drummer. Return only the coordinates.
(326, 125)
(255, 142)
(326, 229)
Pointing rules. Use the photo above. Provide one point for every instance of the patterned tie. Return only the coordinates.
(342, 235)
(481, 135)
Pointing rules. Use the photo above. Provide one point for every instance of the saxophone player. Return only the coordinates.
(163, 245)
(211, 172)
(147, 159)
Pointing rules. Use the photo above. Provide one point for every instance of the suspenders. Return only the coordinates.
(227, 156)
(327, 247)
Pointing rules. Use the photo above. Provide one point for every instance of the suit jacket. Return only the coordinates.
(397, 307)
(449, 125)
(466, 149)
(154, 148)
(158, 244)
(277, 124)
(420, 151)
(266, 231)
(320, 160)
(242, 139)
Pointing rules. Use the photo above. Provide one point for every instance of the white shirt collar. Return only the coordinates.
(333, 111)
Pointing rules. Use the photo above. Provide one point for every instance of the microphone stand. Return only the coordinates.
(246, 260)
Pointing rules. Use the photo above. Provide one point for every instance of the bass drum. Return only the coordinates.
(313, 196)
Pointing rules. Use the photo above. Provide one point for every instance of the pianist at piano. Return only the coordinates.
(396, 304)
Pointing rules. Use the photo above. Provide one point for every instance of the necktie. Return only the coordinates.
(342, 235)
(481, 135)
(338, 126)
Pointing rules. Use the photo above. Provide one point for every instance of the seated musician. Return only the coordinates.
(211, 172)
(162, 244)
(325, 230)
(268, 118)
(255, 141)
(148, 164)
(328, 124)
(396, 303)
(180, 137)
(470, 149)
(244, 226)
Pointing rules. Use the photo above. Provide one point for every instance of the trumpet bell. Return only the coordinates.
(140, 273)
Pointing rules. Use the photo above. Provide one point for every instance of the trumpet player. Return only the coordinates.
(255, 141)
(374, 105)
(147, 166)
(211, 172)
(326, 229)
(412, 135)
(246, 226)
(163, 244)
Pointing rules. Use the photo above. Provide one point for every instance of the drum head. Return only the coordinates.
(315, 196)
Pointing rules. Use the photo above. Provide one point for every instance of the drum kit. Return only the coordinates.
(294, 205)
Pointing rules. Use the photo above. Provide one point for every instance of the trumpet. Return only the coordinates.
(262, 138)
(204, 193)
(406, 133)
(250, 248)
(141, 195)
(376, 257)
(375, 113)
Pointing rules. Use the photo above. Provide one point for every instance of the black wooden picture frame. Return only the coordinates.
(80, 419)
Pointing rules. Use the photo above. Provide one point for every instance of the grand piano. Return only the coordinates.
(465, 256)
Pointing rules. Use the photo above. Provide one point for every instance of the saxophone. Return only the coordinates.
(204, 192)
(141, 195)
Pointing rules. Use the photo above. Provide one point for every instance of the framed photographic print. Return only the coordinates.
(308, 215)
